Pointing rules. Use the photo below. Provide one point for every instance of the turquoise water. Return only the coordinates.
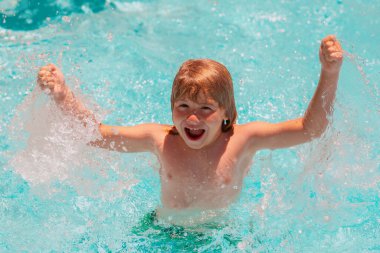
(58, 195)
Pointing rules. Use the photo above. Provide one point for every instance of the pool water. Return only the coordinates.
(120, 57)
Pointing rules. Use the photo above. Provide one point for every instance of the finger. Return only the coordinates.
(51, 85)
(338, 45)
(327, 38)
(329, 43)
(48, 68)
(51, 66)
(332, 49)
(42, 73)
(44, 69)
(41, 80)
(337, 55)
(327, 56)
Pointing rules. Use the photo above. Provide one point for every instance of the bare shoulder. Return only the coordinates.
(158, 131)
(254, 129)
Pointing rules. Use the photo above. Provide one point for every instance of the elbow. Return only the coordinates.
(314, 129)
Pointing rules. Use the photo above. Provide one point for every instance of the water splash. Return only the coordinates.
(53, 148)
(359, 62)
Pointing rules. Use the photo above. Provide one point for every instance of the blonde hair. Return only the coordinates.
(210, 78)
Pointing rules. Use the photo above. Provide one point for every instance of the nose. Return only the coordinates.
(193, 118)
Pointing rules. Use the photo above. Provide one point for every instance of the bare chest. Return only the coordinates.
(200, 170)
(200, 179)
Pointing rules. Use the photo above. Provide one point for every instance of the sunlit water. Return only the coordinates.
(59, 195)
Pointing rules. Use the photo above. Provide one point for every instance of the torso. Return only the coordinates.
(205, 179)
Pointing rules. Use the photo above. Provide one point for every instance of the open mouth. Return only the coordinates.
(194, 133)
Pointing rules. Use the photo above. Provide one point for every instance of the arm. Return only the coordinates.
(138, 138)
(50, 78)
(321, 106)
(315, 119)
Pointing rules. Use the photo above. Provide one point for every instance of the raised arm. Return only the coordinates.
(315, 119)
(50, 78)
(140, 138)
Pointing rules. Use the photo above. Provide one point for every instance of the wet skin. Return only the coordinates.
(202, 168)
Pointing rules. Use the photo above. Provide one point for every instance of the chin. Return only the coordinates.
(194, 146)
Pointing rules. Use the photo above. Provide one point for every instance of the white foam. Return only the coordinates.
(53, 148)
(132, 7)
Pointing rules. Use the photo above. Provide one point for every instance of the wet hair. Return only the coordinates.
(209, 78)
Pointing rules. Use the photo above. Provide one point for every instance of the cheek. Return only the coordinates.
(177, 115)
(214, 119)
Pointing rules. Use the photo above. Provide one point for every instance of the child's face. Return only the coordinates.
(198, 122)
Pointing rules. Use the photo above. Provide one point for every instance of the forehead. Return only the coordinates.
(200, 98)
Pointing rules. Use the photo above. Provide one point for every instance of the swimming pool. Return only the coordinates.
(58, 195)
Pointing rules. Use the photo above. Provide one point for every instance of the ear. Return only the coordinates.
(225, 116)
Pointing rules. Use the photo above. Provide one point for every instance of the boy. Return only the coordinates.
(205, 156)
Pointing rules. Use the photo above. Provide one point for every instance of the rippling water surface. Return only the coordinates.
(120, 57)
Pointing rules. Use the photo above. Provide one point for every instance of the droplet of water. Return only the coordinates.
(109, 37)
(66, 19)
(242, 245)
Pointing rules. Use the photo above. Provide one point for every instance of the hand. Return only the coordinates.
(50, 77)
(331, 54)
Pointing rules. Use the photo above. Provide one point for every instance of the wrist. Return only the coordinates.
(330, 71)
(62, 95)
